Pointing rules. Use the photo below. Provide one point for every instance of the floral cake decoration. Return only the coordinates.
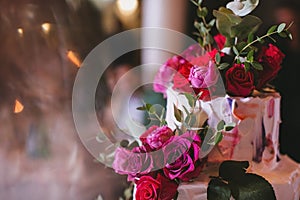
(162, 158)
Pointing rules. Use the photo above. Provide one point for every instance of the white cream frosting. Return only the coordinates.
(255, 139)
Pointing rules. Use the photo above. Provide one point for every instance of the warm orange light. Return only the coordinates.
(20, 32)
(74, 58)
(127, 7)
(18, 106)
(46, 27)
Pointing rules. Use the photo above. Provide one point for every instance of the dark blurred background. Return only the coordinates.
(42, 46)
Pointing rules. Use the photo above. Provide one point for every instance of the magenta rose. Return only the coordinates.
(238, 81)
(147, 188)
(156, 136)
(132, 163)
(203, 76)
(271, 58)
(182, 156)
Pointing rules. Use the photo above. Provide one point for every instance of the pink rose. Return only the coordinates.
(132, 163)
(147, 188)
(238, 81)
(155, 136)
(182, 156)
(203, 76)
(271, 59)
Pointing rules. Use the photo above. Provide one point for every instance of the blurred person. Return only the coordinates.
(41, 156)
(119, 86)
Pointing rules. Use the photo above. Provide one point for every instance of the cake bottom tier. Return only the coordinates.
(285, 179)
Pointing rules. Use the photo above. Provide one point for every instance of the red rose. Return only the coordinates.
(271, 58)
(168, 188)
(238, 81)
(180, 79)
(220, 40)
(160, 188)
(147, 188)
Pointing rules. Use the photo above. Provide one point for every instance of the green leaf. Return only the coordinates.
(219, 137)
(202, 12)
(220, 125)
(257, 65)
(218, 57)
(145, 107)
(235, 51)
(225, 19)
(272, 29)
(212, 22)
(249, 24)
(250, 55)
(223, 66)
(177, 114)
(247, 66)
(250, 37)
(218, 190)
(191, 99)
(282, 34)
(242, 185)
(229, 126)
(290, 36)
(281, 27)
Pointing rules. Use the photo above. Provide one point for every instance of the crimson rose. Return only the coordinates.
(160, 188)
(147, 188)
(238, 81)
(180, 79)
(271, 58)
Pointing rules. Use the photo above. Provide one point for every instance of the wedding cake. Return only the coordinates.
(220, 109)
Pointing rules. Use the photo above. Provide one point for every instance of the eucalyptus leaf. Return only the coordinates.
(250, 55)
(219, 137)
(257, 65)
(283, 34)
(225, 19)
(218, 57)
(223, 66)
(191, 99)
(235, 51)
(249, 24)
(281, 27)
(220, 125)
(247, 66)
(250, 37)
(177, 113)
(272, 29)
(290, 36)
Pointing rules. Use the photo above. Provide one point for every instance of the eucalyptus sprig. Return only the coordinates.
(248, 50)
(204, 37)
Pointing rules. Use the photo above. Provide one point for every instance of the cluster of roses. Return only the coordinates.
(194, 73)
(161, 161)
